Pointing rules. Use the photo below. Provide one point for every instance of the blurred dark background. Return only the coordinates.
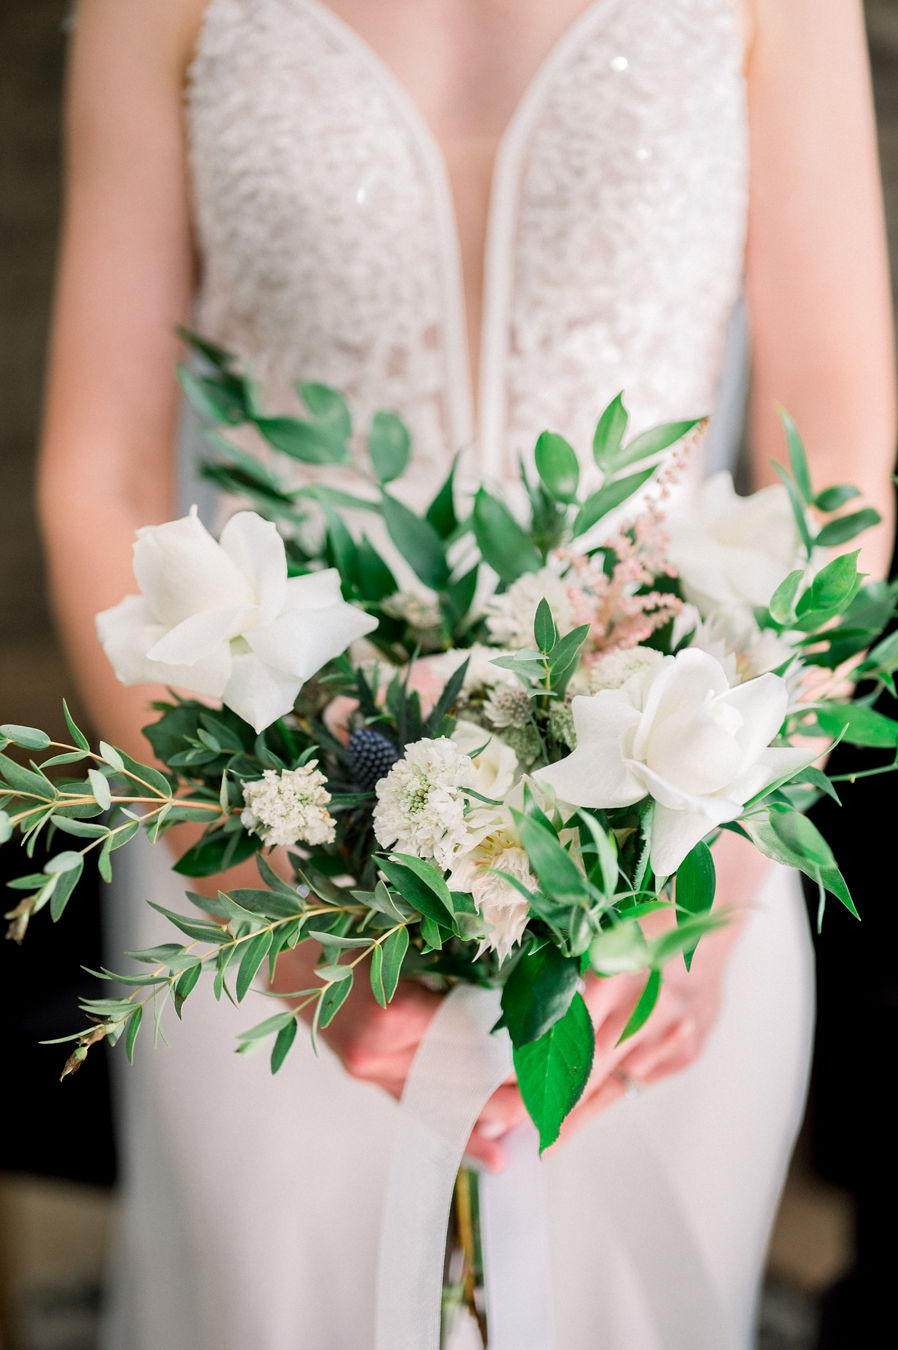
(57, 1163)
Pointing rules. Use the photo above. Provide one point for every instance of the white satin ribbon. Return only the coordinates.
(458, 1066)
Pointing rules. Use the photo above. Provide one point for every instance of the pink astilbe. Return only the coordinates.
(623, 609)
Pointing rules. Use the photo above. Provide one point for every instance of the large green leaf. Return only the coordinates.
(538, 991)
(609, 434)
(608, 498)
(328, 407)
(505, 546)
(559, 875)
(859, 725)
(304, 440)
(695, 886)
(418, 542)
(553, 1071)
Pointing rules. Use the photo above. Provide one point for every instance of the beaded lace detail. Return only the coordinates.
(615, 241)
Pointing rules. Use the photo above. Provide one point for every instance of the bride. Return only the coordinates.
(490, 216)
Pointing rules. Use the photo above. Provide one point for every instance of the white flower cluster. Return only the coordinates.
(618, 666)
(421, 802)
(289, 807)
(418, 609)
(509, 617)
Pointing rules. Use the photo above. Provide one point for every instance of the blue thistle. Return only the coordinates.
(372, 756)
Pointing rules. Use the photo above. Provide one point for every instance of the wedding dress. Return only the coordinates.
(328, 239)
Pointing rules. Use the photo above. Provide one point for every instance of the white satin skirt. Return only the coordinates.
(251, 1203)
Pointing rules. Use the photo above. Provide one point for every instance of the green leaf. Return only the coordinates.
(830, 499)
(24, 781)
(441, 511)
(64, 862)
(217, 852)
(559, 875)
(619, 950)
(418, 542)
(834, 585)
(375, 580)
(695, 886)
(217, 399)
(419, 884)
(82, 829)
(269, 1027)
(798, 510)
(186, 983)
(332, 973)
(802, 837)
(389, 446)
(843, 528)
(282, 1043)
(100, 788)
(504, 544)
(133, 1028)
(646, 1002)
(608, 497)
(376, 973)
(538, 992)
(332, 1000)
(65, 883)
(29, 738)
(553, 1071)
(609, 434)
(256, 951)
(558, 467)
(75, 732)
(797, 458)
(653, 442)
(304, 441)
(5, 827)
(544, 631)
(858, 725)
(328, 407)
(782, 602)
(394, 948)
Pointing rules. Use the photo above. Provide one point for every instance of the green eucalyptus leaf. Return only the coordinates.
(332, 999)
(255, 953)
(100, 786)
(25, 781)
(64, 884)
(133, 1027)
(332, 973)
(553, 1071)
(185, 984)
(558, 467)
(283, 1043)
(75, 732)
(394, 948)
(29, 738)
(269, 1027)
(538, 991)
(5, 827)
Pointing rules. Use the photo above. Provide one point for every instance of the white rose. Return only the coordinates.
(732, 550)
(223, 619)
(680, 733)
(495, 768)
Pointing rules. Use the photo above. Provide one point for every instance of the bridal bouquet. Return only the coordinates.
(493, 774)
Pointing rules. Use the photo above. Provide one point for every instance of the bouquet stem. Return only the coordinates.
(463, 1284)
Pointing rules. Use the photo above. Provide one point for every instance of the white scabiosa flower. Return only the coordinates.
(289, 807)
(418, 609)
(617, 667)
(421, 802)
(509, 617)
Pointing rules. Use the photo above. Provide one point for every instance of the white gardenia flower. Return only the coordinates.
(289, 807)
(223, 619)
(421, 801)
(678, 732)
(732, 550)
(509, 617)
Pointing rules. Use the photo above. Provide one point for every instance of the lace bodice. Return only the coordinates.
(614, 250)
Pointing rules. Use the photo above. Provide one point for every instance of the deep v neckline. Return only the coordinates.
(486, 427)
